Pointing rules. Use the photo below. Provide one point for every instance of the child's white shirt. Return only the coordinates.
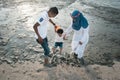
(58, 38)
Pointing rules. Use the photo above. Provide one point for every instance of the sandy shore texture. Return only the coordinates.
(21, 58)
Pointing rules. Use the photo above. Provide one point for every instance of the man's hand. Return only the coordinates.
(40, 40)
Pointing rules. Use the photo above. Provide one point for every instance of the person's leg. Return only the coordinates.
(54, 48)
(80, 52)
(45, 47)
(46, 61)
(46, 50)
(61, 50)
(61, 47)
(74, 46)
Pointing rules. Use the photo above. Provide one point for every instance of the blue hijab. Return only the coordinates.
(78, 20)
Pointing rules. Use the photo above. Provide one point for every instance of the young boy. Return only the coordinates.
(40, 28)
(58, 39)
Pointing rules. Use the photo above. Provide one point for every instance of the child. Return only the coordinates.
(40, 28)
(58, 39)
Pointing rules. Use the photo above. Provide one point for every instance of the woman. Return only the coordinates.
(80, 27)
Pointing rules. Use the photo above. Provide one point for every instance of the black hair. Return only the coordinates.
(60, 31)
(54, 10)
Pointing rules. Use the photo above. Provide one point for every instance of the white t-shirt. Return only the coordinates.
(43, 21)
(58, 38)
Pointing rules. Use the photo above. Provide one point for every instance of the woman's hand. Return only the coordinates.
(64, 37)
(80, 43)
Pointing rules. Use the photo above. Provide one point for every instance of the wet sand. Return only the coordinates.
(21, 57)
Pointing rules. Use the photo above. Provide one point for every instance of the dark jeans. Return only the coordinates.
(45, 46)
(58, 44)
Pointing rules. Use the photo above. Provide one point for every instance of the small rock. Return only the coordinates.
(3, 71)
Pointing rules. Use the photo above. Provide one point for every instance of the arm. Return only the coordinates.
(36, 31)
(52, 22)
(68, 30)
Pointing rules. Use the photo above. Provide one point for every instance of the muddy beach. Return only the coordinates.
(22, 58)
